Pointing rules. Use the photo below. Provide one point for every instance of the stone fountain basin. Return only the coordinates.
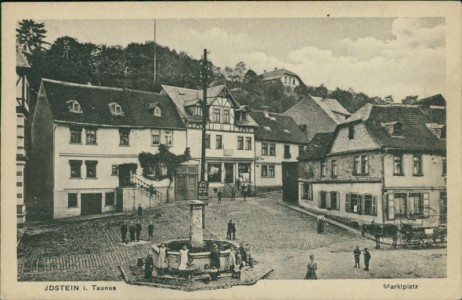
(200, 256)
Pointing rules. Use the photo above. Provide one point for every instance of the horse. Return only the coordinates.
(381, 230)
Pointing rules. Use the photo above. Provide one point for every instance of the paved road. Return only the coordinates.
(280, 237)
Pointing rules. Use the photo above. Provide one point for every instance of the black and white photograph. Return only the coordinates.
(231, 150)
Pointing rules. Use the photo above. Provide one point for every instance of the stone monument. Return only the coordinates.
(197, 209)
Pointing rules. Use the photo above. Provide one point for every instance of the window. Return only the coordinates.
(364, 165)
(75, 168)
(76, 135)
(272, 149)
(368, 207)
(415, 204)
(444, 166)
(115, 109)
(323, 200)
(264, 171)
(417, 166)
(226, 116)
(72, 200)
(197, 110)
(301, 149)
(443, 207)
(354, 203)
(264, 149)
(240, 143)
(207, 141)
(74, 106)
(114, 170)
(248, 143)
(168, 137)
(216, 115)
(271, 171)
(397, 129)
(243, 116)
(334, 168)
(287, 151)
(360, 165)
(18, 184)
(214, 172)
(286, 131)
(157, 111)
(155, 133)
(351, 132)
(109, 199)
(219, 142)
(307, 191)
(91, 168)
(124, 135)
(90, 136)
(400, 204)
(443, 132)
(334, 204)
(323, 168)
(398, 165)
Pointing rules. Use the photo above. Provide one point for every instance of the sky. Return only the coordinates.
(377, 56)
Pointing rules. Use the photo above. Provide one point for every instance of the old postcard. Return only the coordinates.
(248, 150)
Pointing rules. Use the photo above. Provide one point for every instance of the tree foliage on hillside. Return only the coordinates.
(133, 67)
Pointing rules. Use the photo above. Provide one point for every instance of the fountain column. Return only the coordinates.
(197, 209)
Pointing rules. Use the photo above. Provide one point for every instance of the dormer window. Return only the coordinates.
(286, 131)
(197, 110)
(74, 106)
(115, 109)
(267, 128)
(157, 111)
(397, 129)
(439, 130)
(393, 128)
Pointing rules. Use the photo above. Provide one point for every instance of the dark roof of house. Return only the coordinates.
(415, 134)
(435, 100)
(318, 146)
(94, 102)
(277, 74)
(278, 125)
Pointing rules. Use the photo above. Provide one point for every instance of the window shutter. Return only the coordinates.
(374, 205)
(347, 202)
(319, 199)
(338, 201)
(360, 204)
(391, 207)
(328, 200)
(426, 204)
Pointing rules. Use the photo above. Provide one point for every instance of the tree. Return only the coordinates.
(389, 99)
(31, 35)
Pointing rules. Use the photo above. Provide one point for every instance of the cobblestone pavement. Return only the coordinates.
(280, 237)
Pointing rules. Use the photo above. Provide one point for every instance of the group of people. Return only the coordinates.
(231, 232)
(367, 258)
(134, 230)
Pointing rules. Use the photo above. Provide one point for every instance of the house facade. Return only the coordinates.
(278, 139)
(385, 164)
(81, 137)
(22, 133)
(315, 115)
(230, 135)
(289, 79)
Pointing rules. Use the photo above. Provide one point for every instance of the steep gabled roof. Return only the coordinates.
(318, 147)
(331, 106)
(281, 128)
(277, 74)
(94, 101)
(415, 136)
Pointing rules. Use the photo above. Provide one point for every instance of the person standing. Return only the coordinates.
(367, 258)
(131, 229)
(219, 194)
(148, 267)
(150, 230)
(321, 221)
(140, 211)
(162, 260)
(233, 193)
(230, 229)
(123, 231)
(215, 257)
(233, 230)
(244, 191)
(184, 256)
(357, 254)
(238, 183)
(138, 230)
(232, 258)
(311, 269)
(242, 251)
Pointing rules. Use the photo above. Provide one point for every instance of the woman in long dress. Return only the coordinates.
(183, 259)
(312, 267)
(215, 257)
(162, 261)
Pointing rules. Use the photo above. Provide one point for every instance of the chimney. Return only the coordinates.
(275, 68)
(265, 111)
(88, 83)
(264, 71)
